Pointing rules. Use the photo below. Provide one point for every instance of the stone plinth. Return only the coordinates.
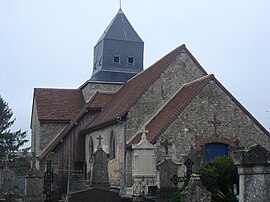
(34, 186)
(6, 181)
(144, 171)
(254, 174)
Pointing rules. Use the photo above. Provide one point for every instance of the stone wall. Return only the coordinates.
(35, 132)
(192, 127)
(47, 132)
(180, 71)
(114, 165)
(90, 88)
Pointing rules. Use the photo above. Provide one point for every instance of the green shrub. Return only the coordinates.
(218, 176)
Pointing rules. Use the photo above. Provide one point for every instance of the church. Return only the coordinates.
(138, 117)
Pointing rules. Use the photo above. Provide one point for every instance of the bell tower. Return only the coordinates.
(118, 54)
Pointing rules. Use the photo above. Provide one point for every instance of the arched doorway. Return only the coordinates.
(213, 150)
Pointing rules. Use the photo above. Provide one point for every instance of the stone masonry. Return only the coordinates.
(192, 125)
(254, 174)
(180, 71)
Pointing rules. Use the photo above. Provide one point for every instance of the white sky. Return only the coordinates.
(49, 43)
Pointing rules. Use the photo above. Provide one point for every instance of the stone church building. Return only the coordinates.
(172, 109)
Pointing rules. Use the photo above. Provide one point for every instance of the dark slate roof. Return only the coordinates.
(173, 109)
(58, 104)
(128, 95)
(98, 101)
(112, 77)
(120, 29)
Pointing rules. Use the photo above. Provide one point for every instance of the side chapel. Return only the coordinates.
(173, 109)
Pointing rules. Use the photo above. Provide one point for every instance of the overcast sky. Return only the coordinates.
(49, 43)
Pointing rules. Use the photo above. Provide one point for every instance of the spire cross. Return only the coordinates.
(120, 4)
(215, 123)
(99, 138)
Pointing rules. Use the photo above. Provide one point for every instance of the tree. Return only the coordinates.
(10, 142)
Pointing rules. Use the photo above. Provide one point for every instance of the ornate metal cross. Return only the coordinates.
(215, 123)
(175, 179)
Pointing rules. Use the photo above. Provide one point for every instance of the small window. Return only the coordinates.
(130, 60)
(116, 59)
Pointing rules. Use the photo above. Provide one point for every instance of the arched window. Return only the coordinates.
(91, 148)
(112, 145)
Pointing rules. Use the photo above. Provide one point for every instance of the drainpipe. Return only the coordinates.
(123, 166)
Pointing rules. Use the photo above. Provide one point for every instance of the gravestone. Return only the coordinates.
(254, 174)
(33, 184)
(144, 174)
(166, 188)
(195, 191)
(77, 182)
(6, 182)
(99, 175)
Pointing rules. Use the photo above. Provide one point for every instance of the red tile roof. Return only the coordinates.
(129, 94)
(165, 117)
(99, 100)
(58, 104)
(173, 109)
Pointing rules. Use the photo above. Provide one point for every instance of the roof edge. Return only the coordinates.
(63, 133)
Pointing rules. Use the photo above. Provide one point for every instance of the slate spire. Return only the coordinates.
(118, 54)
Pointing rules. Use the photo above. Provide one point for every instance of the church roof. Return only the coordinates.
(173, 109)
(58, 104)
(120, 29)
(98, 101)
(129, 94)
(178, 103)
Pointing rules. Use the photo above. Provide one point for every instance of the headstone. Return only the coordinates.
(195, 191)
(254, 174)
(77, 182)
(6, 181)
(33, 184)
(99, 174)
(144, 174)
(166, 188)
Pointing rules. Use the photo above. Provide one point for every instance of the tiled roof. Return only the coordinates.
(129, 94)
(173, 109)
(120, 29)
(170, 111)
(58, 104)
(99, 100)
